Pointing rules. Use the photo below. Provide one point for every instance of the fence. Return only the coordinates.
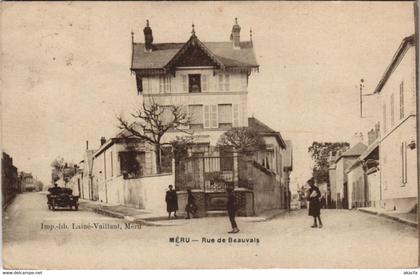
(207, 173)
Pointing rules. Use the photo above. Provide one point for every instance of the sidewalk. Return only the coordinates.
(407, 218)
(149, 218)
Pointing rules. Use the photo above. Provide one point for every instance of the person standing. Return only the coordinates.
(191, 207)
(231, 209)
(171, 201)
(314, 203)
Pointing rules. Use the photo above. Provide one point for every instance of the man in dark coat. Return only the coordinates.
(231, 209)
(314, 203)
(191, 207)
(171, 201)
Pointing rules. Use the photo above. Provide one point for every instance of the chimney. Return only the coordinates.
(87, 145)
(103, 140)
(235, 37)
(148, 37)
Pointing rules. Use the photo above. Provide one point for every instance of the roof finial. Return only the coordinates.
(250, 35)
(147, 22)
(236, 20)
(193, 30)
(132, 36)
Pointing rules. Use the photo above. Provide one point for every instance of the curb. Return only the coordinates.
(131, 219)
(401, 220)
(265, 219)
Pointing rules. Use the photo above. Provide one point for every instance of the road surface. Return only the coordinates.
(36, 238)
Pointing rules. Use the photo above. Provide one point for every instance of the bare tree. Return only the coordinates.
(151, 122)
(242, 139)
(62, 169)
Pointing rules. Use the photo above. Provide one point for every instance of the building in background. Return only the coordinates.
(343, 161)
(398, 148)
(10, 185)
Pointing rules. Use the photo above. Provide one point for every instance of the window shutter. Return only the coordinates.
(392, 110)
(204, 83)
(235, 115)
(146, 85)
(384, 118)
(402, 100)
(167, 84)
(244, 81)
(227, 84)
(220, 83)
(206, 116)
(184, 84)
(161, 84)
(213, 117)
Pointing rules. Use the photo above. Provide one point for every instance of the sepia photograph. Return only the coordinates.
(209, 135)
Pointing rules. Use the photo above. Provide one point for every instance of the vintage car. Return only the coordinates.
(62, 197)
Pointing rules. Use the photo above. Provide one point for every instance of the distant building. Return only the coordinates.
(332, 198)
(342, 163)
(9, 179)
(28, 182)
(398, 148)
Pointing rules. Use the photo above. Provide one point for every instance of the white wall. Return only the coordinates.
(398, 135)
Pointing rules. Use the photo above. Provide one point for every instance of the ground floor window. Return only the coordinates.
(132, 164)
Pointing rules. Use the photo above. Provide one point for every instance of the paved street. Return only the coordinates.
(349, 239)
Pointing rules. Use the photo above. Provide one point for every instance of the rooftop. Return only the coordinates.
(163, 53)
(353, 151)
(265, 130)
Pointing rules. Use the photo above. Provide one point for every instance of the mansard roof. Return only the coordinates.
(163, 55)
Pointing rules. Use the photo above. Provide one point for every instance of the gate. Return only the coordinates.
(210, 174)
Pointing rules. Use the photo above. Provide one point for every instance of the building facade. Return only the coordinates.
(398, 149)
(209, 80)
(9, 179)
(343, 161)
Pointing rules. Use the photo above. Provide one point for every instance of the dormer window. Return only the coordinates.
(194, 83)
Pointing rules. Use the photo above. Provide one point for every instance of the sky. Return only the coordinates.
(65, 68)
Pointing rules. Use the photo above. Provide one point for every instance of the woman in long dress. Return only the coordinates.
(314, 196)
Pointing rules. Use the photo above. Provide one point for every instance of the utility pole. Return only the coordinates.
(361, 101)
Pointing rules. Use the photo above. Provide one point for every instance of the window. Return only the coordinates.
(402, 100)
(196, 114)
(164, 84)
(213, 116)
(384, 118)
(194, 83)
(210, 116)
(166, 115)
(224, 82)
(132, 164)
(225, 115)
(392, 110)
(206, 116)
(403, 153)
